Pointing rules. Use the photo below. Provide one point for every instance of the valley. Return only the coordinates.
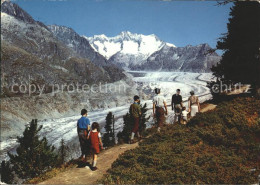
(64, 127)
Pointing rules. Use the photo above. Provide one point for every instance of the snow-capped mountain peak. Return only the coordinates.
(170, 45)
(126, 43)
(14, 10)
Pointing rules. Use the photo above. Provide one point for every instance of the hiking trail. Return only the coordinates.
(87, 176)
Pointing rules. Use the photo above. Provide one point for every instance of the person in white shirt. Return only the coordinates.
(159, 108)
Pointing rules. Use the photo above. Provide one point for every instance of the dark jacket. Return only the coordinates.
(176, 99)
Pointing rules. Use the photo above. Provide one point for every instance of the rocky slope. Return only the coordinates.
(18, 111)
(188, 59)
(31, 54)
(29, 48)
(81, 46)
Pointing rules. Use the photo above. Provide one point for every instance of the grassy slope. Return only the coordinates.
(220, 146)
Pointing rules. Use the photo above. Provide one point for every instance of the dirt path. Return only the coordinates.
(207, 107)
(87, 176)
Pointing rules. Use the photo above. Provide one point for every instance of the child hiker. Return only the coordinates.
(95, 141)
(184, 115)
(83, 127)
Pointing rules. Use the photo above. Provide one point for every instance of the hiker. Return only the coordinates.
(194, 104)
(158, 110)
(177, 105)
(184, 115)
(135, 111)
(95, 141)
(83, 127)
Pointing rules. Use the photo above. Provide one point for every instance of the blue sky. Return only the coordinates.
(177, 22)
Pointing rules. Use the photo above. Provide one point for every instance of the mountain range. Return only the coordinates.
(127, 43)
(132, 51)
(188, 59)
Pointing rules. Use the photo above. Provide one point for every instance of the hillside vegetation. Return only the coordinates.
(220, 146)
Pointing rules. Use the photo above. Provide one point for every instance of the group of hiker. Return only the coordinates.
(180, 111)
(90, 138)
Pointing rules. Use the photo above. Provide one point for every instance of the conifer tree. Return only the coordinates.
(124, 135)
(62, 153)
(240, 61)
(109, 136)
(34, 155)
(7, 175)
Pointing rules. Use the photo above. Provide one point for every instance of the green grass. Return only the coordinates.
(217, 147)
